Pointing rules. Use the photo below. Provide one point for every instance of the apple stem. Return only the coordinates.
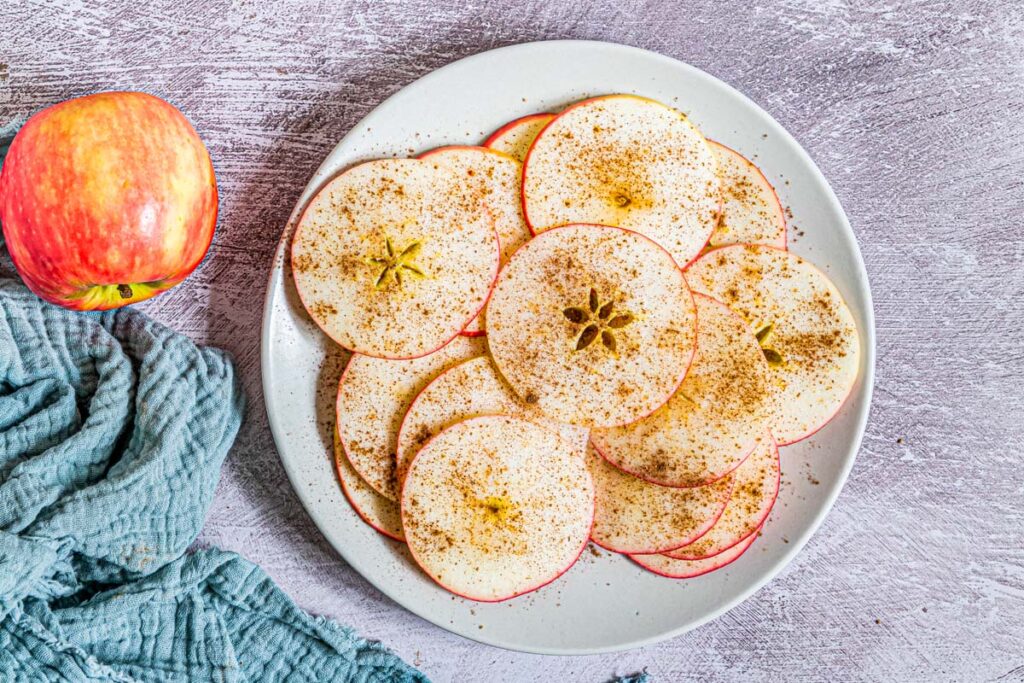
(125, 291)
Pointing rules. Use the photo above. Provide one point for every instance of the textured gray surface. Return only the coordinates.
(914, 111)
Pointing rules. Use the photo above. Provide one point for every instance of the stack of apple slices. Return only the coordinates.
(587, 329)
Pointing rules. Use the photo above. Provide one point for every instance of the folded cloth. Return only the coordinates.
(112, 433)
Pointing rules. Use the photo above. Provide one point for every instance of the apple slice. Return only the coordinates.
(751, 211)
(593, 324)
(755, 488)
(516, 136)
(394, 257)
(626, 161)
(469, 389)
(635, 516)
(374, 394)
(494, 507)
(805, 328)
(715, 418)
(382, 514)
(689, 569)
(496, 177)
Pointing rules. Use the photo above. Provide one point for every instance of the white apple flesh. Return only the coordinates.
(805, 329)
(635, 516)
(715, 418)
(663, 565)
(751, 210)
(373, 396)
(755, 489)
(469, 389)
(380, 513)
(495, 176)
(629, 162)
(515, 137)
(494, 507)
(594, 325)
(394, 257)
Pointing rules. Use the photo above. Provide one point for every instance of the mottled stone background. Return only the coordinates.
(915, 113)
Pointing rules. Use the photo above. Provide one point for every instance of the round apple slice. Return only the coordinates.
(494, 507)
(714, 419)
(626, 161)
(374, 394)
(755, 488)
(469, 389)
(515, 137)
(394, 257)
(751, 211)
(668, 567)
(805, 329)
(595, 325)
(380, 513)
(635, 516)
(496, 177)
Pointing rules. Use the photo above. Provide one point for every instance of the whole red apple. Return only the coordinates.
(107, 200)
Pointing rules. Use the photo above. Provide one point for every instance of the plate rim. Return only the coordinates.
(866, 380)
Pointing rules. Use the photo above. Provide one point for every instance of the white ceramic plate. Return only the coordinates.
(605, 602)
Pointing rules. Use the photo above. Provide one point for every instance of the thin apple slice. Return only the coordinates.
(751, 210)
(380, 513)
(635, 516)
(494, 507)
(593, 324)
(374, 394)
(394, 257)
(805, 328)
(755, 488)
(496, 177)
(715, 418)
(626, 161)
(469, 389)
(516, 136)
(689, 569)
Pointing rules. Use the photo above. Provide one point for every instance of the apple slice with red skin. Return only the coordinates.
(516, 136)
(593, 324)
(751, 210)
(629, 162)
(469, 389)
(494, 507)
(635, 516)
(394, 257)
(807, 331)
(374, 394)
(755, 489)
(495, 176)
(380, 513)
(670, 568)
(715, 418)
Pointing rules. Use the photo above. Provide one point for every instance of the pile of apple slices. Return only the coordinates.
(587, 329)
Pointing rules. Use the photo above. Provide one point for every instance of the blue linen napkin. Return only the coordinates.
(112, 433)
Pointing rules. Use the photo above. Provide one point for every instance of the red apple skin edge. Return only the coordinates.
(696, 324)
(426, 155)
(775, 194)
(666, 550)
(849, 391)
(107, 200)
(526, 161)
(559, 575)
(512, 124)
(714, 567)
(291, 263)
(351, 501)
(764, 515)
